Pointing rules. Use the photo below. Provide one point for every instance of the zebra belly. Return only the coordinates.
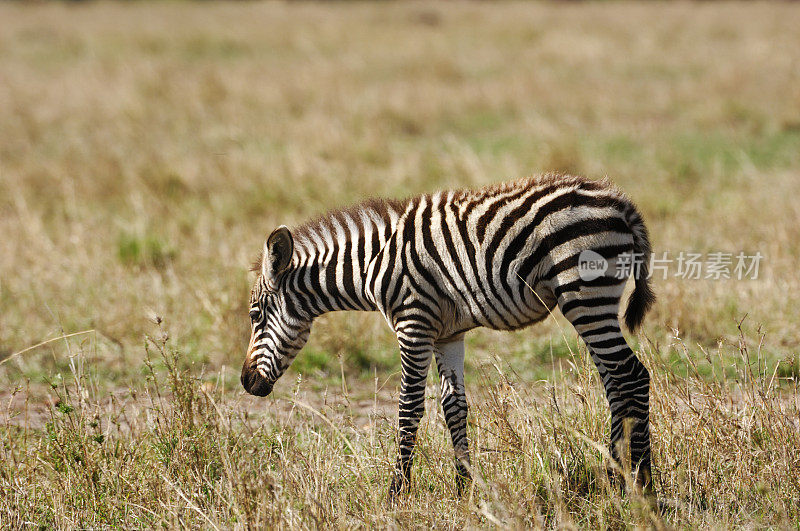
(511, 311)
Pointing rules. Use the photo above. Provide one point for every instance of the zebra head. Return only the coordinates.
(277, 331)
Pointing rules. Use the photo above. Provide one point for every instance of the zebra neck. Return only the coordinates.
(331, 274)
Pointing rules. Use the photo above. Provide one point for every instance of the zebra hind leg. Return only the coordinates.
(450, 365)
(627, 385)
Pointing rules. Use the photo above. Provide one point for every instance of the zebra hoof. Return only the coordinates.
(399, 485)
(463, 478)
(463, 483)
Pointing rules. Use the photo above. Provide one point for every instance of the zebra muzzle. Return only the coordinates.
(253, 382)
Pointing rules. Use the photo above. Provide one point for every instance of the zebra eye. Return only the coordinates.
(255, 314)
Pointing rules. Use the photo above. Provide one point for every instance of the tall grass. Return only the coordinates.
(178, 450)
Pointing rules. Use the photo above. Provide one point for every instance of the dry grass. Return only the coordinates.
(179, 452)
(146, 149)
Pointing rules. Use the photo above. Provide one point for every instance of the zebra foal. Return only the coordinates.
(441, 264)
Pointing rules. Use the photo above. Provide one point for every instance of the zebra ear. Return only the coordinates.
(277, 252)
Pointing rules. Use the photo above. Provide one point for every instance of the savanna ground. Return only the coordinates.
(147, 149)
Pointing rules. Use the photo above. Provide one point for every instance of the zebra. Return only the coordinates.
(438, 265)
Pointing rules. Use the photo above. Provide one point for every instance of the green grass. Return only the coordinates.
(146, 150)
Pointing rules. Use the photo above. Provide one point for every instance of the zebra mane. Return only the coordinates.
(323, 222)
(379, 206)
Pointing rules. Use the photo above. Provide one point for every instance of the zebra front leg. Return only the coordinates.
(415, 358)
(450, 364)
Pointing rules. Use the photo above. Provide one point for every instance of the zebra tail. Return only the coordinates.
(642, 297)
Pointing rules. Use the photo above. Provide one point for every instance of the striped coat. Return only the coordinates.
(439, 265)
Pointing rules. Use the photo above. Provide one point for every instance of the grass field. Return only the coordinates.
(146, 149)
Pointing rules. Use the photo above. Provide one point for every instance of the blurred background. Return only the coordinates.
(146, 150)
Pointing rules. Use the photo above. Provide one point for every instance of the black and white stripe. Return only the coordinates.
(441, 264)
